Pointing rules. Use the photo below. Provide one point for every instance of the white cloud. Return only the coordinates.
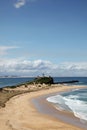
(37, 67)
(73, 69)
(25, 67)
(4, 49)
(74, 66)
(19, 3)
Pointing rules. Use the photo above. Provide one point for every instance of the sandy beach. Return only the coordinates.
(20, 113)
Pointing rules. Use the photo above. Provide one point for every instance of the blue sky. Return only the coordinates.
(43, 36)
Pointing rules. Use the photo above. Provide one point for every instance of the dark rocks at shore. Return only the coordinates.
(1, 89)
(72, 81)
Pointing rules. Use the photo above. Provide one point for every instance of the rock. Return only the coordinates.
(72, 81)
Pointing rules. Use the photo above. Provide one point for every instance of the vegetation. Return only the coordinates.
(43, 80)
(10, 91)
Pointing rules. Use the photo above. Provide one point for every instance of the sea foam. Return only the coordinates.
(71, 103)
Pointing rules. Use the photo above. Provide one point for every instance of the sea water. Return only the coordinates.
(74, 101)
(15, 81)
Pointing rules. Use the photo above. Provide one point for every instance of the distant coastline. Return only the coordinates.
(8, 76)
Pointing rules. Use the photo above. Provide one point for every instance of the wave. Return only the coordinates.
(71, 103)
(59, 102)
(78, 107)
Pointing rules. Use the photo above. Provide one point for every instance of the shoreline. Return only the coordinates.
(20, 113)
(50, 109)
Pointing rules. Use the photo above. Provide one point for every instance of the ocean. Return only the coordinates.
(14, 81)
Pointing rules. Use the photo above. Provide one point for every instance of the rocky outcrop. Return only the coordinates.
(45, 80)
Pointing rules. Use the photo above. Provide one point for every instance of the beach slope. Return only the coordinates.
(21, 114)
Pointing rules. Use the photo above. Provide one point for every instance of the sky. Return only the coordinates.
(43, 36)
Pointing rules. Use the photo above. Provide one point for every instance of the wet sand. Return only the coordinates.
(21, 113)
(45, 107)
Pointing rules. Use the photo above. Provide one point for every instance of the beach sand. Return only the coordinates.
(20, 113)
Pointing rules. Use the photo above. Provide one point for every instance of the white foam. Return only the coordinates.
(71, 102)
(78, 107)
(72, 97)
(56, 99)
